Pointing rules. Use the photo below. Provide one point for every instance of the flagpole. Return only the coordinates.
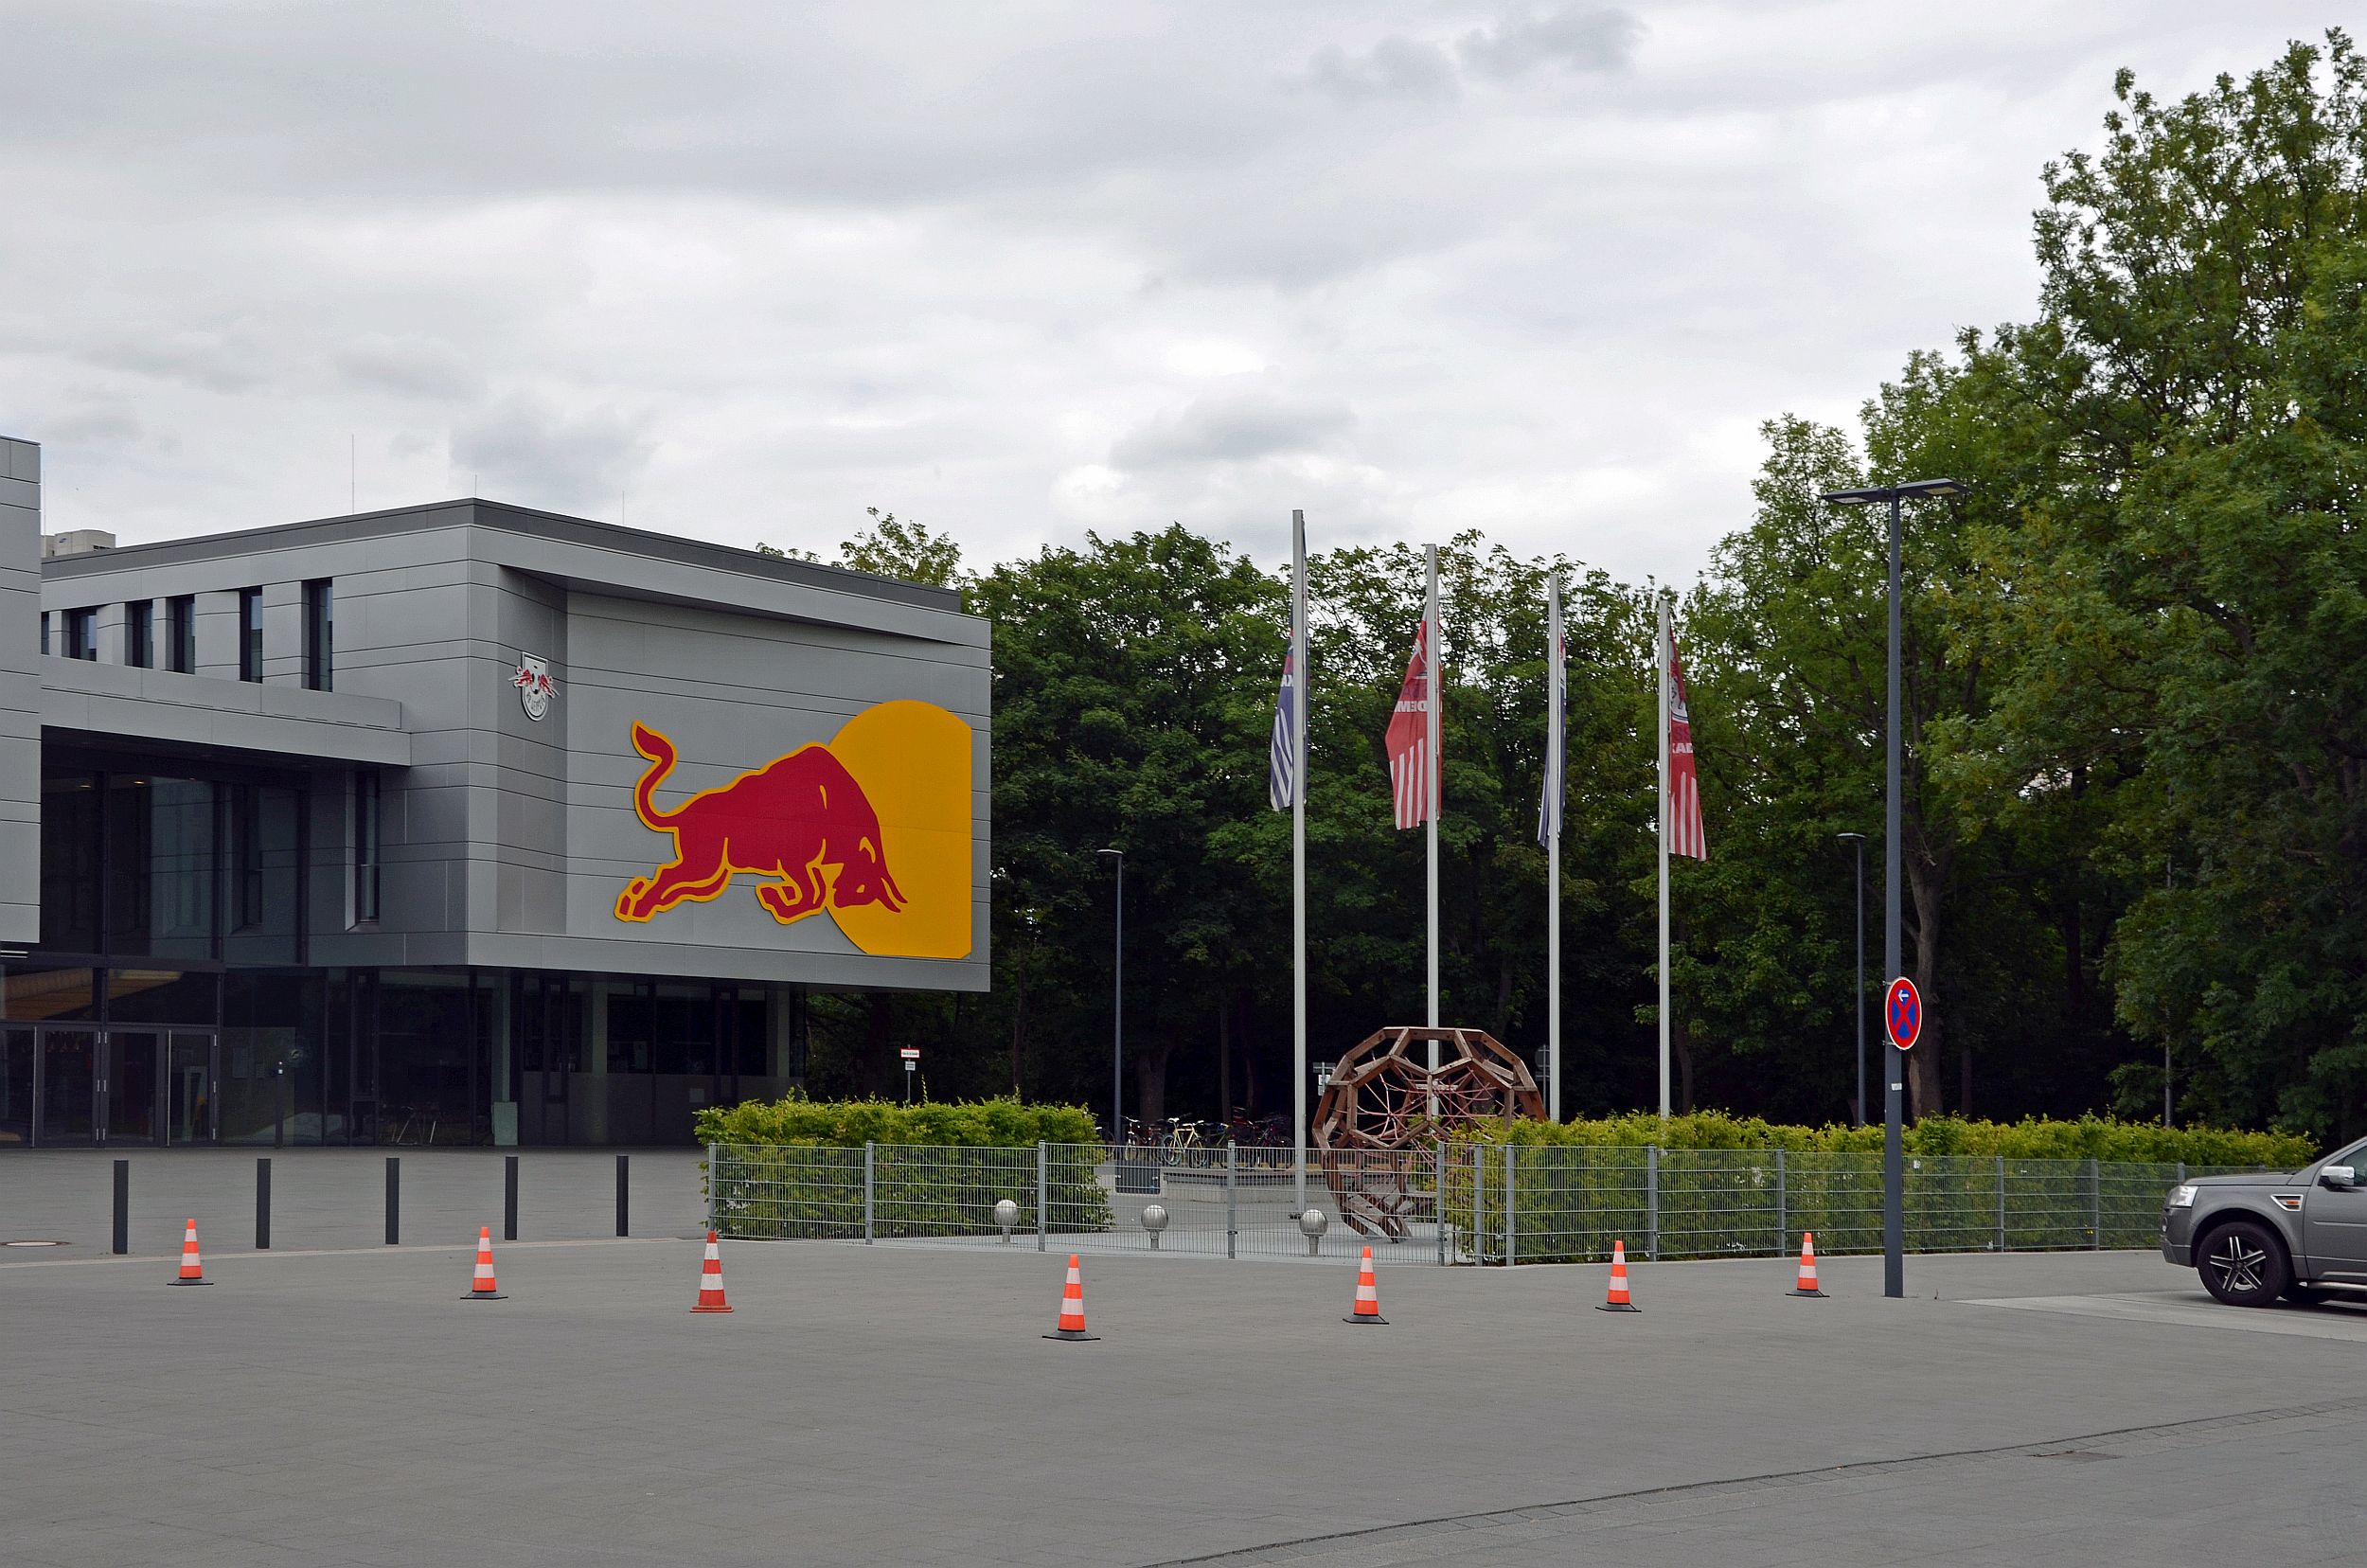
(1558, 701)
(1298, 850)
(1430, 694)
(1664, 815)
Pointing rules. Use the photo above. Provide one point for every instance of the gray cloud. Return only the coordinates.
(526, 450)
(1527, 265)
(1232, 425)
(1580, 38)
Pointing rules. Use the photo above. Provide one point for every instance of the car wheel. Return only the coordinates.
(2243, 1264)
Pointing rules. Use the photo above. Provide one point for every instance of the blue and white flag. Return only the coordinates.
(1556, 703)
(1282, 770)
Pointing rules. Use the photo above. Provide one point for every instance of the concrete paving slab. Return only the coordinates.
(899, 1405)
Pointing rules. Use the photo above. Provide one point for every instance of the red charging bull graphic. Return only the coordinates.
(806, 829)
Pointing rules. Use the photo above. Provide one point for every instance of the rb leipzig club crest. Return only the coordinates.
(535, 686)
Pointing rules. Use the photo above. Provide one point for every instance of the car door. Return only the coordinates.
(2333, 1222)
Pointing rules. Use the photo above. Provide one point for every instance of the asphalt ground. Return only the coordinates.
(901, 1405)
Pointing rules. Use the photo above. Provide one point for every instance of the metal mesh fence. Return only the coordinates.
(1536, 1204)
(1463, 1204)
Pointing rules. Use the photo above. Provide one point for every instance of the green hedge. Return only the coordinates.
(794, 1168)
(2032, 1138)
(798, 1121)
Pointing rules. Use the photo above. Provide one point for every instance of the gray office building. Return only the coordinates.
(460, 824)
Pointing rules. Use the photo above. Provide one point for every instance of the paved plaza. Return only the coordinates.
(899, 1405)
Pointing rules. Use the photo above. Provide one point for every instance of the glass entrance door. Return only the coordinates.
(189, 1075)
(129, 1064)
(68, 1064)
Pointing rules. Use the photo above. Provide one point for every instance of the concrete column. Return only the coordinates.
(218, 636)
(20, 691)
(283, 634)
(111, 621)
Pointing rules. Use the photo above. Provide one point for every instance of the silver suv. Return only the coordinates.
(2255, 1238)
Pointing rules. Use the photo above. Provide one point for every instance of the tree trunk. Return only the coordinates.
(1150, 1082)
(1923, 1063)
(1224, 1058)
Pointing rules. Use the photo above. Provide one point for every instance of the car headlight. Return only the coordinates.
(2181, 1197)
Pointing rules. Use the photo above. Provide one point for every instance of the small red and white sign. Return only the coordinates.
(910, 1053)
(1902, 1013)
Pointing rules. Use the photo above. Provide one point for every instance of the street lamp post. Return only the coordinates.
(1117, 1011)
(1857, 841)
(1893, 1059)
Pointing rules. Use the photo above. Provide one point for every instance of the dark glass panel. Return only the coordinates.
(163, 996)
(160, 866)
(263, 862)
(629, 1032)
(16, 1086)
(682, 1029)
(271, 1086)
(181, 633)
(69, 862)
(69, 1060)
(48, 993)
(140, 634)
(425, 1032)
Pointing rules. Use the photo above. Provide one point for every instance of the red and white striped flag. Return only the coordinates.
(1682, 810)
(1408, 737)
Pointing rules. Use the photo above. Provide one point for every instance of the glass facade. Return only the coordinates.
(171, 1000)
(181, 633)
(250, 633)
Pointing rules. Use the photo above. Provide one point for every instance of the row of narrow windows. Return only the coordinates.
(172, 644)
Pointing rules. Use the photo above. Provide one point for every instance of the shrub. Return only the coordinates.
(798, 1122)
(2032, 1138)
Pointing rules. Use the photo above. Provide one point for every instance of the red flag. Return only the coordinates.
(1408, 738)
(1682, 810)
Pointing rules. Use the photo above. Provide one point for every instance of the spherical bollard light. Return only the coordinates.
(1154, 1220)
(1312, 1224)
(1006, 1215)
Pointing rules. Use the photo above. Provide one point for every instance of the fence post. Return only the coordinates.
(394, 1200)
(1479, 1205)
(510, 1197)
(2095, 1204)
(1512, 1210)
(1231, 1197)
(867, 1148)
(123, 1208)
(1438, 1198)
(2182, 1172)
(1783, 1230)
(262, 1203)
(1043, 1185)
(2000, 1202)
(1652, 1202)
(715, 1205)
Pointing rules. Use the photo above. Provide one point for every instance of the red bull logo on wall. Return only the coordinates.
(872, 829)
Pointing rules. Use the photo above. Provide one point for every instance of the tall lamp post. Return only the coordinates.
(1117, 1013)
(1857, 841)
(1893, 1059)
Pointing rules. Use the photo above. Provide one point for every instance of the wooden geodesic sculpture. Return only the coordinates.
(1384, 1103)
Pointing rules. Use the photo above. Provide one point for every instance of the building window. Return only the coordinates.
(250, 633)
(320, 642)
(140, 634)
(82, 634)
(181, 633)
(365, 847)
(44, 631)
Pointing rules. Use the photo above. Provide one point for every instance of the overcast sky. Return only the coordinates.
(1019, 271)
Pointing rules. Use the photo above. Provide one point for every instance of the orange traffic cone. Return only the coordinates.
(1367, 1296)
(192, 1266)
(1072, 1307)
(711, 1280)
(1808, 1266)
(482, 1288)
(1616, 1299)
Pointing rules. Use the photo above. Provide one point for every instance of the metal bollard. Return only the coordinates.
(123, 1207)
(624, 1191)
(262, 1203)
(393, 1200)
(510, 1197)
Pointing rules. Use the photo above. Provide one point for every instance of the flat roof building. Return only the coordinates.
(460, 824)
